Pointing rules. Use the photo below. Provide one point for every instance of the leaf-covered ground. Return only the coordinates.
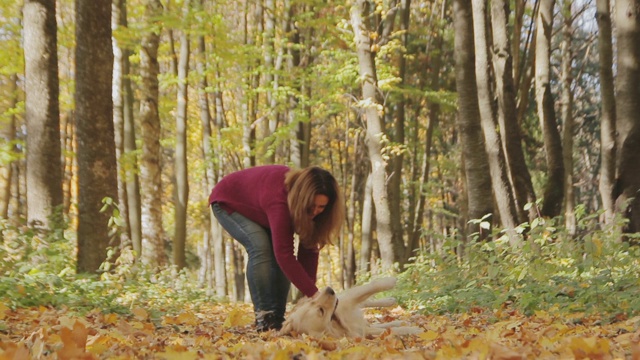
(224, 331)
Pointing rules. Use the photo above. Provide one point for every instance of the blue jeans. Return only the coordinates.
(268, 286)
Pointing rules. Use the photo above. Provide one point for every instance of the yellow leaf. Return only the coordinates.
(589, 348)
(236, 318)
(429, 335)
(140, 313)
(480, 347)
(98, 344)
(3, 311)
(187, 319)
(111, 319)
(178, 355)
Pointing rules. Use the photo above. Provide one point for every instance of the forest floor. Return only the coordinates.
(225, 331)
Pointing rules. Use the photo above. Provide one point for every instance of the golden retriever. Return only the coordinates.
(342, 315)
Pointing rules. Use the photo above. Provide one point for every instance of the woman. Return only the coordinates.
(262, 207)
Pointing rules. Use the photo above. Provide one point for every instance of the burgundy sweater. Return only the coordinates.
(259, 194)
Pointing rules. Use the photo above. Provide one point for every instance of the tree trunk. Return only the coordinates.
(502, 189)
(8, 137)
(507, 115)
(554, 188)
(394, 187)
(42, 112)
(350, 268)
(567, 118)
(375, 136)
(628, 112)
(367, 217)
(150, 163)
(181, 161)
(122, 111)
(213, 233)
(248, 103)
(97, 169)
(123, 114)
(298, 115)
(433, 118)
(475, 161)
(608, 114)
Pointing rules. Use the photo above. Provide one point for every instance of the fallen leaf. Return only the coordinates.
(140, 313)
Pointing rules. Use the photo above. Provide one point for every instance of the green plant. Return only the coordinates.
(594, 273)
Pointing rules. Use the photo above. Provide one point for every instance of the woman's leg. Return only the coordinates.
(268, 286)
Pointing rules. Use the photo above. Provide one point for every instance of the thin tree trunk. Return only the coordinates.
(509, 128)
(375, 135)
(475, 161)
(608, 115)
(150, 163)
(350, 268)
(207, 274)
(270, 79)
(367, 217)
(502, 189)
(42, 112)
(567, 118)
(554, 188)
(118, 19)
(394, 187)
(181, 161)
(123, 112)
(8, 136)
(417, 222)
(248, 118)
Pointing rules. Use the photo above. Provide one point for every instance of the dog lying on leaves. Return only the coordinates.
(342, 315)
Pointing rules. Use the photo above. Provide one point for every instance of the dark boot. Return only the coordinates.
(268, 321)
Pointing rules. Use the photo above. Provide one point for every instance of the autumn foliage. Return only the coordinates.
(551, 299)
(219, 331)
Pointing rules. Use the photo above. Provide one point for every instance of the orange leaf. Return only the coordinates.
(11, 351)
(74, 342)
(500, 352)
(635, 351)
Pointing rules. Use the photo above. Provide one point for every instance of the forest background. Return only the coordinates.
(488, 151)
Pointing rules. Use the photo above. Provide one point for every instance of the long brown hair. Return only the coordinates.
(303, 185)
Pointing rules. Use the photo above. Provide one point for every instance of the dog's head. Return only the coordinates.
(312, 315)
